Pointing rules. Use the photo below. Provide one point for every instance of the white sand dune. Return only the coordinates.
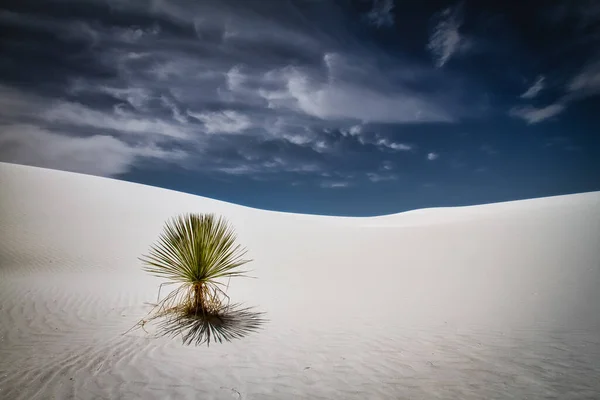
(499, 301)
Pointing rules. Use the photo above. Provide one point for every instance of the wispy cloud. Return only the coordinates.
(136, 97)
(587, 81)
(534, 115)
(376, 177)
(354, 130)
(78, 115)
(223, 121)
(345, 100)
(381, 13)
(393, 145)
(260, 169)
(433, 156)
(387, 165)
(101, 155)
(445, 39)
(535, 88)
(134, 35)
(583, 18)
(235, 79)
(176, 112)
(64, 135)
(20, 105)
(334, 184)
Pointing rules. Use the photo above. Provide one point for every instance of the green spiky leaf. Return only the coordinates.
(196, 249)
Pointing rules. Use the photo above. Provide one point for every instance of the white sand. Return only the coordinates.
(498, 301)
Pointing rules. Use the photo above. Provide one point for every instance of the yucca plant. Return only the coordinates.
(196, 251)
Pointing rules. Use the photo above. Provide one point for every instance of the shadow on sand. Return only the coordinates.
(232, 322)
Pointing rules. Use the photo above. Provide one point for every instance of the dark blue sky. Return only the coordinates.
(362, 107)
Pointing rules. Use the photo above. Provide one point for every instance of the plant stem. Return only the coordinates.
(199, 298)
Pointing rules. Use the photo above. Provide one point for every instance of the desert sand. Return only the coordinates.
(497, 301)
